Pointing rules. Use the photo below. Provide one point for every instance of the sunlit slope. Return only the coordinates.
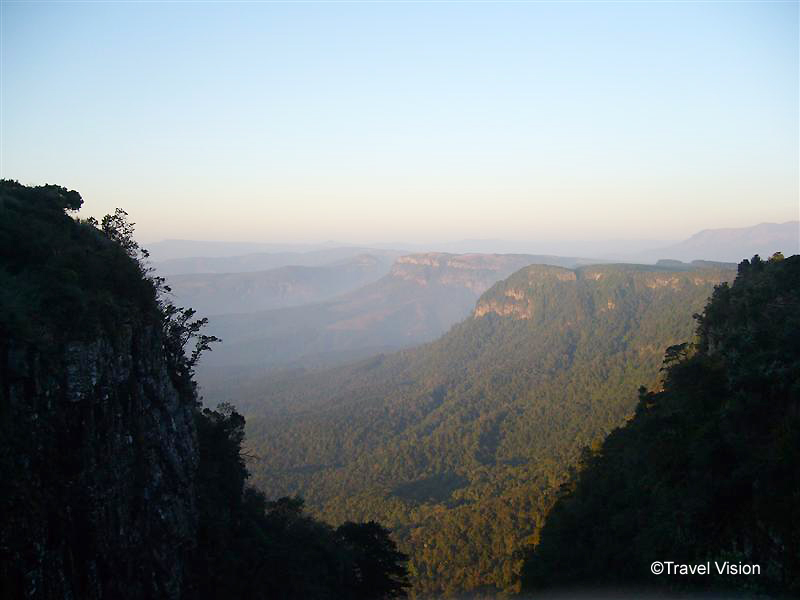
(417, 301)
(459, 444)
(706, 472)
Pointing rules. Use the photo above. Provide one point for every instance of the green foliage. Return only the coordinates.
(707, 469)
(379, 570)
(70, 279)
(118, 229)
(249, 548)
(64, 279)
(179, 330)
(461, 446)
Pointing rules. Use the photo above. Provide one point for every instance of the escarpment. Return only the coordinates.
(101, 451)
(98, 448)
(593, 290)
(474, 272)
(114, 484)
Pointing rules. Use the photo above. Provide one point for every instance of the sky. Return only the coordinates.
(414, 121)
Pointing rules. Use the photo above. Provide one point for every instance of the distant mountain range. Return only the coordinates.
(722, 244)
(262, 261)
(173, 249)
(329, 305)
(214, 293)
(733, 244)
(419, 299)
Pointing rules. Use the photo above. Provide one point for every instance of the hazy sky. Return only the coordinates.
(408, 120)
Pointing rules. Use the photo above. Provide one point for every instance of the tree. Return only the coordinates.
(117, 228)
(706, 470)
(379, 571)
(178, 324)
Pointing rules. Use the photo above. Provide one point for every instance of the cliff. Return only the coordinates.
(473, 272)
(421, 297)
(705, 472)
(102, 456)
(593, 290)
(113, 484)
(98, 448)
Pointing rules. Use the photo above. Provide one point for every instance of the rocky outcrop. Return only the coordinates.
(98, 455)
(601, 288)
(516, 297)
(473, 272)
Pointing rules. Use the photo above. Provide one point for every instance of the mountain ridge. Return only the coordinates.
(262, 261)
(735, 244)
(703, 472)
(483, 421)
(254, 291)
(419, 299)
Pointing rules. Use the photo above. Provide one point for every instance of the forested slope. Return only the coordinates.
(461, 444)
(113, 483)
(708, 468)
(417, 301)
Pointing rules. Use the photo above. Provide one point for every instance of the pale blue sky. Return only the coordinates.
(382, 121)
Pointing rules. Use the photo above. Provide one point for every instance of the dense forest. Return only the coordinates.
(447, 469)
(460, 446)
(707, 470)
(115, 484)
(249, 547)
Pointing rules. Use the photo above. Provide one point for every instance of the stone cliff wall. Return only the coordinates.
(98, 456)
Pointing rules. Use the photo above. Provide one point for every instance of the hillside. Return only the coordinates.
(419, 299)
(706, 471)
(461, 444)
(115, 484)
(97, 440)
(216, 293)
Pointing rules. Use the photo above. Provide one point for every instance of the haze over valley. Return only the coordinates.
(374, 300)
(359, 301)
(513, 363)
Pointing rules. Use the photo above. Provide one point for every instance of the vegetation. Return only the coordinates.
(464, 447)
(707, 468)
(251, 548)
(418, 301)
(461, 446)
(63, 280)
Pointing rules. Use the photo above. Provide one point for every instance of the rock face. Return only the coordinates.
(473, 272)
(418, 300)
(98, 461)
(597, 288)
